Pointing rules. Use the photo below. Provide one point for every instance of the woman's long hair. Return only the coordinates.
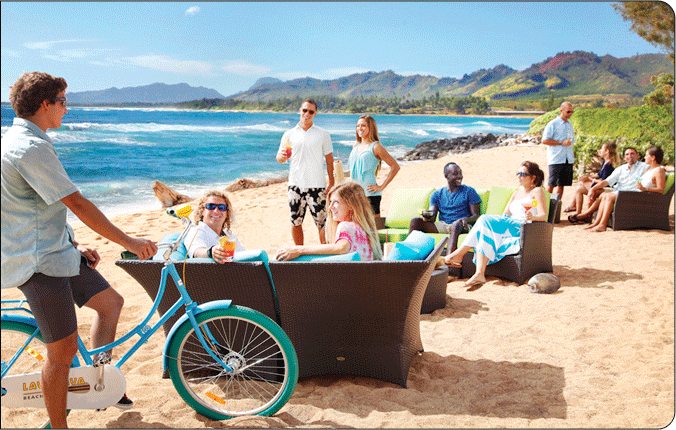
(229, 217)
(612, 153)
(534, 170)
(362, 214)
(373, 134)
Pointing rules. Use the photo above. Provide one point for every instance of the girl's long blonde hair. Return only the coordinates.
(362, 214)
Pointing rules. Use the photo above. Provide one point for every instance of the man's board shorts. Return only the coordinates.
(560, 175)
(301, 199)
(51, 299)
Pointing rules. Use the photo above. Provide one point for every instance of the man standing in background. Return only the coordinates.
(559, 137)
(307, 147)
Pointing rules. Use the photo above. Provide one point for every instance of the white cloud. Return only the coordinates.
(49, 44)
(166, 64)
(56, 58)
(194, 10)
(243, 68)
(10, 53)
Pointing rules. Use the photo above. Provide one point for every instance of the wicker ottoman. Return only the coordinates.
(435, 294)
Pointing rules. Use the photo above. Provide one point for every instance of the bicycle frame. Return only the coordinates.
(142, 330)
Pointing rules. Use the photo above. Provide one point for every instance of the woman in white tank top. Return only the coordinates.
(654, 179)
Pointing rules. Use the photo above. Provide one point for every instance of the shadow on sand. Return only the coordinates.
(448, 385)
(592, 278)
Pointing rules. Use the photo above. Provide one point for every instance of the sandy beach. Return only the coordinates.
(599, 353)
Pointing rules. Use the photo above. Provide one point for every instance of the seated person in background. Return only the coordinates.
(457, 205)
(212, 221)
(351, 227)
(584, 183)
(622, 179)
(495, 236)
(652, 180)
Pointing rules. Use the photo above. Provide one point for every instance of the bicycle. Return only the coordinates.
(224, 360)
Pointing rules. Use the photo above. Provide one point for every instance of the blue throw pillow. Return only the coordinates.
(350, 256)
(416, 246)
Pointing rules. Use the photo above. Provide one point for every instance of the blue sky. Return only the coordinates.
(227, 46)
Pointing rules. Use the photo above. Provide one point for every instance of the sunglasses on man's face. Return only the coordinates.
(61, 99)
(308, 110)
(522, 174)
(213, 206)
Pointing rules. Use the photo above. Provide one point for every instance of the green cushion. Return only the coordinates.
(437, 237)
(484, 195)
(669, 183)
(497, 201)
(392, 234)
(406, 205)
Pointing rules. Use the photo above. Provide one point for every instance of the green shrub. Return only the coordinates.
(639, 127)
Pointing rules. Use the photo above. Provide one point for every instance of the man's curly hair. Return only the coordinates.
(199, 213)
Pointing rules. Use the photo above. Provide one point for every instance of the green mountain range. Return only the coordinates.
(566, 74)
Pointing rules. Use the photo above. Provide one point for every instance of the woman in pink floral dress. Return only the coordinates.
(351, 227)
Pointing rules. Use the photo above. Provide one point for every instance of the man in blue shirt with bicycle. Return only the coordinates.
(39, 253)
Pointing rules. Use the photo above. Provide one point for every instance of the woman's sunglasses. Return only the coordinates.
(523, 174)
(212, 206)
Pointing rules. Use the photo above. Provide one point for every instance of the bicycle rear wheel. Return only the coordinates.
(31, 360)
(261, 354)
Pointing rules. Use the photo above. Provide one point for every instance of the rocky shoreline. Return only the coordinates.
(458, 145)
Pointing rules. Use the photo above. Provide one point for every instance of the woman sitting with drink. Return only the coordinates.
(365, 159)
(495, 236)
(351, 227)
(653, 180)
(212, 225)
(609, 154)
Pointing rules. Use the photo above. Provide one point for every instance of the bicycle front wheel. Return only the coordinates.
(30, 360)
(264, 363)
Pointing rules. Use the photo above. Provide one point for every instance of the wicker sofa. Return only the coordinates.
(343, 317)
(643, 209)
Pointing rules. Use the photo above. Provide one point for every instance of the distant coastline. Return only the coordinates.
(161, 106)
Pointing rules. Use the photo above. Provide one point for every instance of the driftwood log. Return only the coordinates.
(242, 184)
(169, 197)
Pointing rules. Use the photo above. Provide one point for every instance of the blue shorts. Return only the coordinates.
(51, 300)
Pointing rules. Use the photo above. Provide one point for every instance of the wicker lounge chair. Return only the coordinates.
(534, 257)
(643, 209)
(354, 318)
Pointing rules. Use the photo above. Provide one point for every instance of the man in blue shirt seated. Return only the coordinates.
(456, 204)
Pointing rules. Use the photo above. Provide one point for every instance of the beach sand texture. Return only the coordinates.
(598, 353)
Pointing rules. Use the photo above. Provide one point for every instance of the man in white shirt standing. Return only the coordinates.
(559, 137)
(307, 147)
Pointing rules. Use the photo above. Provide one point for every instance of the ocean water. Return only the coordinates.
(114, 155)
